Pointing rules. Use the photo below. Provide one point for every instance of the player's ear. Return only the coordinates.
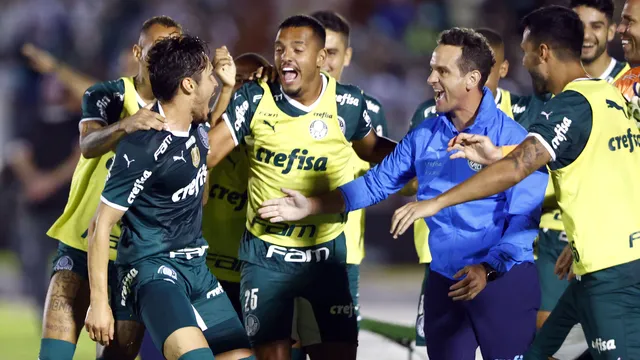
(137, 52)
(504, 69)
(188, 85)
(611, 32)
(544, 52)
(347, 56)
(473, 79)
(322, 56)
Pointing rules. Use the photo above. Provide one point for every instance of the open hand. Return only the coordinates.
(144, 119)
(469, 287)
(294, 206)
(409, 213)
(474, 147)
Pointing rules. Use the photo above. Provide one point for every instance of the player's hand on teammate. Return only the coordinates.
(40, 60)
(563, 266)
(477, 148)
(294, 206)
(469, 287)
(144, 119)
(224, 67)
(99, 323)
(406, 215)
(265, 73)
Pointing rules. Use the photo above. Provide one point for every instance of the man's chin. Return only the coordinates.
(291, 91)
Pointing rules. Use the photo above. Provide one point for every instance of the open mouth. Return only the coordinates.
(438, 95)
(588, 45)
(289, 75)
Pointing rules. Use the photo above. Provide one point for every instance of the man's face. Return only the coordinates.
(629, 30)
(149, 38)
(597, 33)
(532, 62)
(298, 58)
(499, 69)
(205, 89)
(338, 54)
(449, 85)
(244, 69)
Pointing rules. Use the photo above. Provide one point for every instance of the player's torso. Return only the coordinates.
(167, 214)
(225, 214)
(596, 192)
(90, 175)
(307, 153)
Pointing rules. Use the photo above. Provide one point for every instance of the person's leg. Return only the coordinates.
(550, 245)
(420, 317)
(233, 293)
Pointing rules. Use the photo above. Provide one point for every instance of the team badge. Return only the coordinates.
(343, 126)
(64, 263)
(204, 136)
(474, 165)
(167, 271)
(252, 325)
(195, 156)
(318, 129)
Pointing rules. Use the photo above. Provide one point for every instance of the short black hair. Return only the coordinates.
(160, 20)
(173, 59)
(298, 21)
(493, 37)
(333, 21)
(604, 6)
(559, 28)
(253, 58)
(476, 52)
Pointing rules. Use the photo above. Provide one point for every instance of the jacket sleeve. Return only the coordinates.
(523, 211)
(384, 179)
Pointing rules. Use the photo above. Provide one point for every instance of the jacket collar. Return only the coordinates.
(485, 115)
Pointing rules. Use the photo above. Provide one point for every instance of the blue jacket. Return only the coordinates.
(499, 230)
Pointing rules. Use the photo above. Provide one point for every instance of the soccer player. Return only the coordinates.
(109, 111)
(486, 241)
(583, 134)
(629, 31)
(298, 132)
(155, 187)
(338, 57)
(599, 30)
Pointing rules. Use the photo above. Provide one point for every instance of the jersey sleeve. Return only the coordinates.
(132, 171)
(563, 127)
(352, 108)
(377, 116)
(425, 110)
(103, 102)
(240, 110)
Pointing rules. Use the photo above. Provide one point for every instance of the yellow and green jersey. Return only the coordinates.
(304, 148)
(106, 102)
(593, 142)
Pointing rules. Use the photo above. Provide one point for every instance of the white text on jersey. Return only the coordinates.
(163, 147)
(193, 189)
(295, 255)
(138, 186)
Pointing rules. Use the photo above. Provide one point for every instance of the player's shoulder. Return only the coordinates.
(509, 128)
(111, 88)
(425, 110)
(149, 144)
(251, 91)
(373, 105)
(619, 69)
(349, 95)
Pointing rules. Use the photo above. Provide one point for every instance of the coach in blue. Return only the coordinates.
(483, 288)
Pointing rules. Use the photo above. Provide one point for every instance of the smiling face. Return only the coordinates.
(298, 57)
(629, 30)
(449, 84)
(597, 33)
(338, 54)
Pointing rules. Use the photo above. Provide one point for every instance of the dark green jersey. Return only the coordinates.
(527, 108)
(424, 111)
(158, 178)
(376, 113)
(352, 109)
(565, 125)
(103, 102)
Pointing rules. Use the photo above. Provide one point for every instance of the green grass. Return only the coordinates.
(20, 334)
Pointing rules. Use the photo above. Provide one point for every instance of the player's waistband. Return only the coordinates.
(189, 252)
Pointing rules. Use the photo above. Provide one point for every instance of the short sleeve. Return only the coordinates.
(240, 110)
(377, 116)
(563, 127)
(352, 108)
(132, 171)
(425, 110)
(103, 102)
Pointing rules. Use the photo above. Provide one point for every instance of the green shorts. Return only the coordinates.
(72, 259)
(420, 318)
(550, 245)
(608, 310)
(301, 293)
(353, 273)
(168, 294)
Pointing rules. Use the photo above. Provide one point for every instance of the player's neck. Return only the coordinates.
(597, 67)
(308, 97)
(143, 87)
(178, 116)
(563, 74)
(465, 115)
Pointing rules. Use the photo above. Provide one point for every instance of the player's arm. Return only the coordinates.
(45, 63)
(230, 132)
(384, 179)
(366, 143)
(225, 70)
(100, 127)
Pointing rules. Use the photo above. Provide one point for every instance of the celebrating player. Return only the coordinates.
(109, 111)
(583, 134)
(297, 132)
(492, 238)
(155, 185)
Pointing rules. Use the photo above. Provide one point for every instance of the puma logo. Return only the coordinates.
(612, 105)
(181, 157)
(126, 158)
(273, 127)
(546, 114)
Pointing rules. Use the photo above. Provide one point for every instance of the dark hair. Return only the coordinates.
(559, 28)
(604, 6)
(173, 59)
(493, 38)
(160, 20)
(253, 58)
(298, 21)
(333, 21)
(476, 53)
